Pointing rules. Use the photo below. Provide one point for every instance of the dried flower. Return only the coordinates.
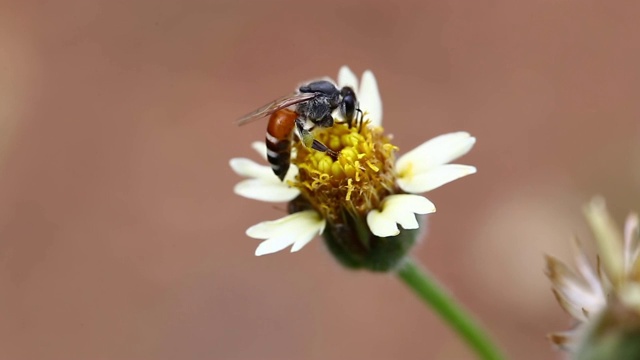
(604, 300)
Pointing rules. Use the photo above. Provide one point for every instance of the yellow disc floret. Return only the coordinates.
(360, 177)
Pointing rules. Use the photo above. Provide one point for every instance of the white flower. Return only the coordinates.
(420, 170)
(588, 292)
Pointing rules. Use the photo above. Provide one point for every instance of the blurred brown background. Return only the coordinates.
(120, 237)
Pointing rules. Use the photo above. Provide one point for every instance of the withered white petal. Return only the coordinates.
(631, 242)
(570, 291)
(426, 181)
(586, 270)
(435, 152)
(565, 339)
(614, 282)
(580, 298)
(295, 229)
(575, 310)
(608, 237)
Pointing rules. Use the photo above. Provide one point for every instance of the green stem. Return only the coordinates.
(427, 288)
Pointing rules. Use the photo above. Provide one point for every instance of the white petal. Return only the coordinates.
(608, 237)
(580, 299)
(398, 209)
(631, 242)
(572, 293)
(273, 245)
(291, 174)
(261, 148)
(295, 229)
(369, 98)
(429, 180)
(263, 184)
(382, 224)
(269, 191)
(249, 168)
(407, 220)
(435, 152)
(316, 227)
(575, 310)
(410, 203)
(567, 340)
(586, 270)
(346, 77)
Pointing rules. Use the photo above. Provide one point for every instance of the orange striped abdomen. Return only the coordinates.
(278, 140)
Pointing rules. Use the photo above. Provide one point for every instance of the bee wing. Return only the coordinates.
(274, 106)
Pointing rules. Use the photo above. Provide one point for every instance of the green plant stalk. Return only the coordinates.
(427, 288)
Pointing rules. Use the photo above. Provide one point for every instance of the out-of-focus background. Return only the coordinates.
(120, 237)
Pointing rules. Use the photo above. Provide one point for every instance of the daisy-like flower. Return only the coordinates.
(603, 299)
(364, 203)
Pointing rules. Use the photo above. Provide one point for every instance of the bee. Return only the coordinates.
(313, 105)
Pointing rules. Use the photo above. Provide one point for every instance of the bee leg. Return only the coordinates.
(319, 146)
(312, 143)
(359, 119)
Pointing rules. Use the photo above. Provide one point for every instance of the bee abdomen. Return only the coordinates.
(279, 154)
(278, 141)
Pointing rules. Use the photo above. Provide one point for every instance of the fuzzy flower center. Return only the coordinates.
(356, 181)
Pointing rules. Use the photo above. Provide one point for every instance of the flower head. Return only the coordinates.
(605, 297)
(364, 202)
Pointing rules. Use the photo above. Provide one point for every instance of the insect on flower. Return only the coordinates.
(314, 104)
(342, 179)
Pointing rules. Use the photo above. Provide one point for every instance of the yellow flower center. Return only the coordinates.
(356, 181)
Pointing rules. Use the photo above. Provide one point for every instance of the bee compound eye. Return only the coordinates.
(347, 91)
(348, 106)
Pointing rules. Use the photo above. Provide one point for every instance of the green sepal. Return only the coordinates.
(355, 247)
(612, 334)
